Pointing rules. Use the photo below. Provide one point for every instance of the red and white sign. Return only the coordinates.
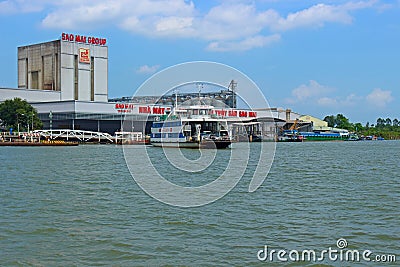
(84, 55)
(124, 108)
(131, 108)
(83, 39)
(157, 110)
(234, 113)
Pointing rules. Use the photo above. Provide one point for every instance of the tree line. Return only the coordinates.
(19, 115)
(387, 128)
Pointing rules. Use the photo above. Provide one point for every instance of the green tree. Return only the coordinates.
(339, 121)
(343, 122)
(331, 120)
(18, 112)
(358, 127)
(380, 122)
(388, 122)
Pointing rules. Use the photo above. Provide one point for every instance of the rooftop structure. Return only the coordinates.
(217, 99)
(75, 66)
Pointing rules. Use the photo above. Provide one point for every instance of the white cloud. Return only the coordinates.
(246, 44)
(233, 21)
(311, 90)
(229, 25)
(349, 101)
(314, 16)
(379, 97)
(318, 15)
(83, 16)
(146, 69)
(352, 100)
(10, 7)
(172, 24)
(327, 101)
(7, 7)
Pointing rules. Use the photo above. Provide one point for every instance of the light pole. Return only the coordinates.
(51, 120)
(18, 123)
(27, 123)
(51, 124)
(32, 114)
(22, 114)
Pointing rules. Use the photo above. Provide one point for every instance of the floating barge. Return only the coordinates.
(295, 136)
(42, 143)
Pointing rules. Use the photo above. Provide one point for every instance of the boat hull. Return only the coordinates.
(45, 143)
(217, 144)
(322, 138)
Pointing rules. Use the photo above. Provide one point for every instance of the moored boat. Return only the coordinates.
(322, 136)
(296, 136)
(191, 127)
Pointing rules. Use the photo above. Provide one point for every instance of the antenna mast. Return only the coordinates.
(176, 98)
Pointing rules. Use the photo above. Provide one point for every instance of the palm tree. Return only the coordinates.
(388, 122)
(380, 122)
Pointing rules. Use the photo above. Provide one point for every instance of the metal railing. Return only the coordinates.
(80, 135)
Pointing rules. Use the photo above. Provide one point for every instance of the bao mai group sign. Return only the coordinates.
(83, 39)
(159, 110)
(84, 53)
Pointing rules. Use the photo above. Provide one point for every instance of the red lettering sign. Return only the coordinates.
(242, 113)
(158, 110)
(146, 110)
(221, 113)
(83, 39)
(252, 114)
(124, 108)
(232, 113)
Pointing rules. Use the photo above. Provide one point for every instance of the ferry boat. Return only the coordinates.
(190, 127)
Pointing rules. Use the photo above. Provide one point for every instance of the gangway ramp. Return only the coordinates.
(79, 135)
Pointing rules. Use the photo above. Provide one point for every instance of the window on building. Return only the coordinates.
(35, 80)
(26, 73)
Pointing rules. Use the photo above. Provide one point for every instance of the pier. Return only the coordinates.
(76, 135)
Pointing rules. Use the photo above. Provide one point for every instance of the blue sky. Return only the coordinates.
(315, 57)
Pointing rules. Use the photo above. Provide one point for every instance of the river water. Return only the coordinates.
(79, 206)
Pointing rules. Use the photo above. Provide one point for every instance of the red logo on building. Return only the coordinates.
(84, 55)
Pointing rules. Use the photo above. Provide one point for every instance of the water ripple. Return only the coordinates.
(80, 206)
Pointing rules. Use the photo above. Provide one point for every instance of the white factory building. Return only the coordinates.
(66, 80)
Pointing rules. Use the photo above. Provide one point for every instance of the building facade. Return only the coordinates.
(75, 65)
(66, 80)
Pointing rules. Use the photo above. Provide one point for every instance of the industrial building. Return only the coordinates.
(66, 80)
(77, 70)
